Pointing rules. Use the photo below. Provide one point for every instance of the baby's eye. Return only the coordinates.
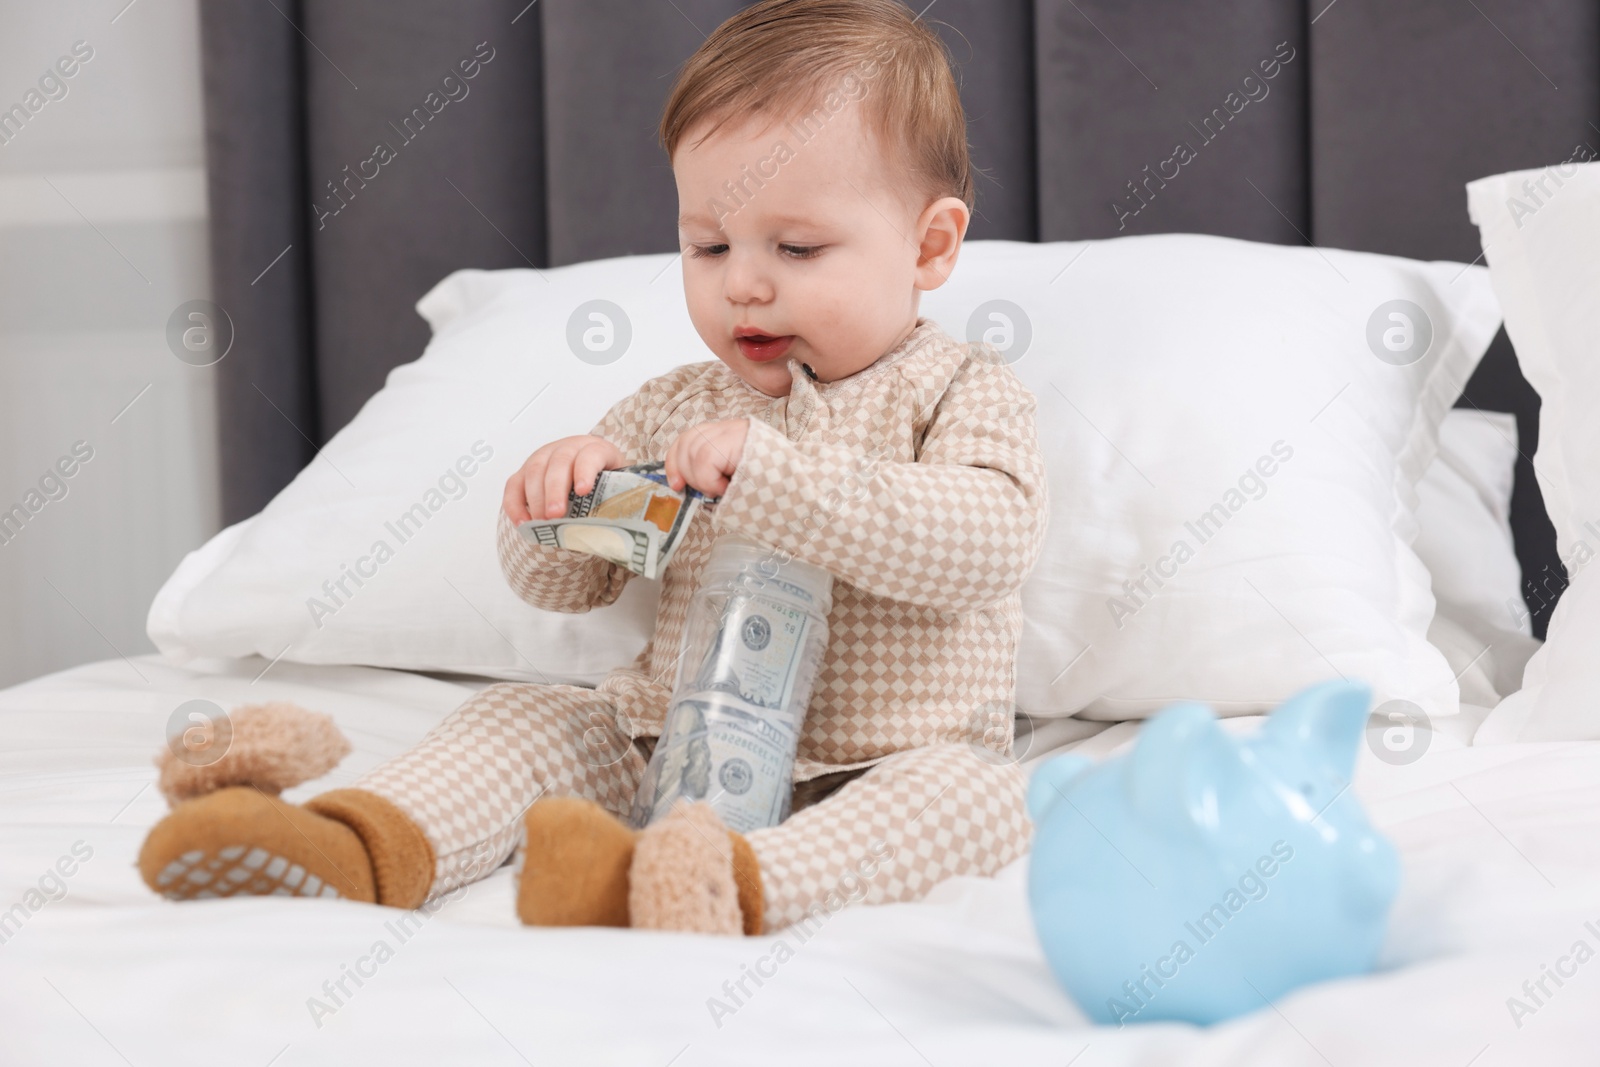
(703, 251)
(801, 251)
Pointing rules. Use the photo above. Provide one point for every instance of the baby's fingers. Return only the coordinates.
(518, 507)
(700, 467)
(708, 477)
(557, 484)
(672, 467)
(596, 456)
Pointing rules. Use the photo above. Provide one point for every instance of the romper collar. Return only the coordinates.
(807, 405)
(920, 335)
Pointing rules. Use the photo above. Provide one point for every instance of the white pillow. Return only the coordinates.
(1541, 237)
(1186, 356)
(1180, 376)
(1464, 539)
(497, 380)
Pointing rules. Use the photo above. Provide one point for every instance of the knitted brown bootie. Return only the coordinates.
(229, 833)
(581, 866)
(239, 840)
(574, 869)
(691, 873)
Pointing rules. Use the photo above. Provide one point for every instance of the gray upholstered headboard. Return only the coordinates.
(1378, 113)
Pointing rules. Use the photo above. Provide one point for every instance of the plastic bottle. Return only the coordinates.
(754, 639)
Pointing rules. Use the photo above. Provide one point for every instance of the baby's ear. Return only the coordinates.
(943, 227)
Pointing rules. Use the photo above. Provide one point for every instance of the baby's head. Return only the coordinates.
(820, 151)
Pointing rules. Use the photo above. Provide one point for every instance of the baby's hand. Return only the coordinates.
(540, 488)
(706, 456)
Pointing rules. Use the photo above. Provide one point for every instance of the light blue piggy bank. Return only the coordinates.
(1201, 876)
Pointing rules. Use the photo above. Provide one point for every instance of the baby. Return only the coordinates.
(820, 153)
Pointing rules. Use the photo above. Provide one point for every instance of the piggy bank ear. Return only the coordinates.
(1182, 758)
(1049, 783)
(1325, 721)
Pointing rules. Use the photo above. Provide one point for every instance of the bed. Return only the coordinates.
(1499, 843)
(1501, 847)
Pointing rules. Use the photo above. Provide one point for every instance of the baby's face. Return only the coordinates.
(822, 264)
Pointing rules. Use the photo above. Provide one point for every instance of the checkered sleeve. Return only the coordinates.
(957, 530)
(560, 579)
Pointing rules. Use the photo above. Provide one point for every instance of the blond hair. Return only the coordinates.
(803, 59)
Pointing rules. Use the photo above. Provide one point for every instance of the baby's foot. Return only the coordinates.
(228, 832)
(574, 865)
(240, 840)
(243, 841)
(691, 873)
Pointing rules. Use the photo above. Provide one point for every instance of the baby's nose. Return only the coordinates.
(746, 282)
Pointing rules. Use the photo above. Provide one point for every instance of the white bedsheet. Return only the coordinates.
(1501, 852)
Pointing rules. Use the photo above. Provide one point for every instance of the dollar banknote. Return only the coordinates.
(760, 650)
(631, 517)
(738, 759)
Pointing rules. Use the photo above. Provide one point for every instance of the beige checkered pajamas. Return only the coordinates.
(918, 483)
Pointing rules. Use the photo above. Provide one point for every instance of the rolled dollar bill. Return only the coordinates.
(631, 517)
(715, 748)
(759, 646)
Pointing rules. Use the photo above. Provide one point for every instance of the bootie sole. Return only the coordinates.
(241, 841)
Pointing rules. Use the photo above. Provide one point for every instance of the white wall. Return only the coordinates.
(102, 236)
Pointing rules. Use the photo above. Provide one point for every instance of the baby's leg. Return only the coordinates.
(467, 784)
(446, 813)
(908, 823)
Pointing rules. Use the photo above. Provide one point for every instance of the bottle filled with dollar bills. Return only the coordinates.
(754, 639)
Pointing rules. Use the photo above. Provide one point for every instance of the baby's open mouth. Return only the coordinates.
(762, 348)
